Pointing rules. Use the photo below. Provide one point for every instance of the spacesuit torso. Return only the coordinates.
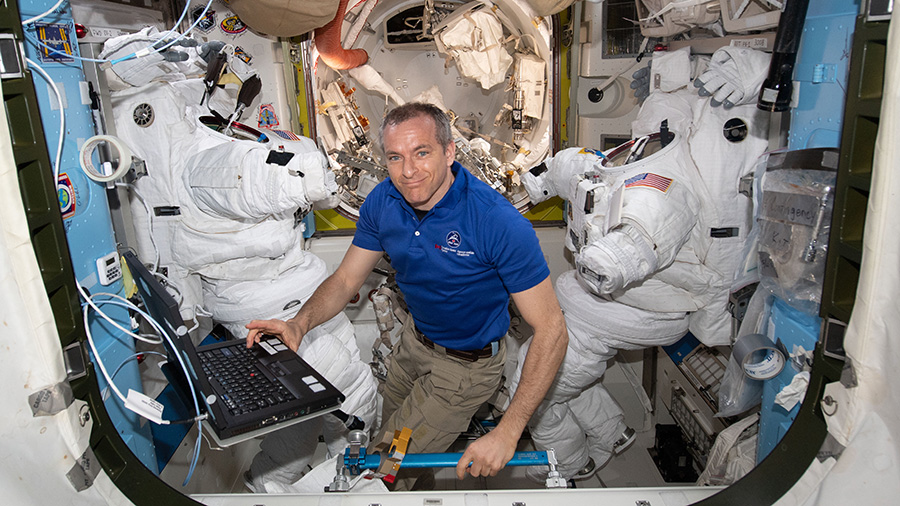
(663, 232)
(634, 229)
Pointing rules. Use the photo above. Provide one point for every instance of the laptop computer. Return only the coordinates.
(245, 392)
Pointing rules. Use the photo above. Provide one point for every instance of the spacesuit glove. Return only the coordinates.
(209, 50)
(640, 82)
(734, 76)
(171, 52)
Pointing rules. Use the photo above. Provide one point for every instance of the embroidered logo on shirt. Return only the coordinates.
(650, 180)
(453, 239)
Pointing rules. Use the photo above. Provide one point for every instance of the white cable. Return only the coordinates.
(39, 16)
(196, 324)
(128, 305)
(90, 338)
(158, 328)
(201, 311)
(165, 335)
(115, 324)
(152, 48)
(87, 164)
(62, 116)
(140, 197)
(179, 297)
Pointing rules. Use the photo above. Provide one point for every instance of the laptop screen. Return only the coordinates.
(160, 304)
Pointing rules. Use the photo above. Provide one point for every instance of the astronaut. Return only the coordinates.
(655, 226)
(218, 214)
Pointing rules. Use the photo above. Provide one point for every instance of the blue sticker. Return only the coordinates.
(56, 42)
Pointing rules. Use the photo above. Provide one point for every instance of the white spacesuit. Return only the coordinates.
(218, 213)
(656, 227)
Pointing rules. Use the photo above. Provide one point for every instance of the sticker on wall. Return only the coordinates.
(233, 25)
(243, 55)
(207, 23)
(56, 42)
(65, 192)
(267, 117)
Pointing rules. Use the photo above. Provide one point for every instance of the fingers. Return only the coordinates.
(258, 328)
(174, 56)
(641, 73)
(476, 465)
(712, 85)
(463, 465)
(253, 337)
(726, 92)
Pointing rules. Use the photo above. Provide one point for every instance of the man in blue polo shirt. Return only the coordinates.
(460, 251)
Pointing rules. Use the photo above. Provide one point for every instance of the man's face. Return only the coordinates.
(416, 162)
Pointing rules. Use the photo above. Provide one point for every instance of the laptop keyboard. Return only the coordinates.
(247, 388)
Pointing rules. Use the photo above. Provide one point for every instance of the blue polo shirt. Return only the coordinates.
(457, 266)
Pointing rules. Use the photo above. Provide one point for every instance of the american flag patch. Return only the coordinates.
(286, 134)
(649, 180)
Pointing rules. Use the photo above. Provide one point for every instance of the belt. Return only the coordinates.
(468, 355)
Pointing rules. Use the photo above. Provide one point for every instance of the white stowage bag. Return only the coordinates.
(670, 70)
(733, 455)
(474, 41)
(370, 79)
(530, 79)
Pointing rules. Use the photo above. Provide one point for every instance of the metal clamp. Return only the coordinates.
(554, 479)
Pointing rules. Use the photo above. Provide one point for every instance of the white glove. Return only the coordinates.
(734, 76)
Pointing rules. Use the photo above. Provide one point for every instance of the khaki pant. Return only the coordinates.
(433, 394)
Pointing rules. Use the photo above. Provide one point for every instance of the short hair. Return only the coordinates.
(412, 110)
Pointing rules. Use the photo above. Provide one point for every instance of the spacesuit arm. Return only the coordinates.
(621, 257)
(555, 176)
(541, 310)
(246, 181)
(653, 228)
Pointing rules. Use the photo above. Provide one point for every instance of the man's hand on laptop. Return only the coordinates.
(288, 331)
